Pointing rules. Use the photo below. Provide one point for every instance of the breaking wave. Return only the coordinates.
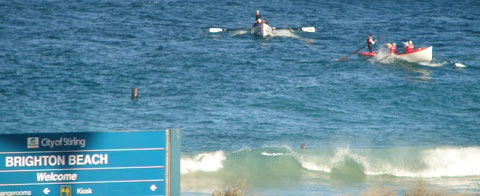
(206, 162)
(285, 162)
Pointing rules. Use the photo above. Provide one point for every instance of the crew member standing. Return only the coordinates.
(258, 18)
(370, 42)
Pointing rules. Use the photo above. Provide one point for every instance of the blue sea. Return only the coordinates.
(245, 104)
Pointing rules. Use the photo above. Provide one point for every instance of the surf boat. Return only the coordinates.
(263, 30)
(419, 55)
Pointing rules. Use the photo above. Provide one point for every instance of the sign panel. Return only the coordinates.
(90, 163)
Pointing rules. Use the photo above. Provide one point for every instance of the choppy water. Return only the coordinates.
(245, 104)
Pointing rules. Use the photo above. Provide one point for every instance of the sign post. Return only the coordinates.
(91, 163)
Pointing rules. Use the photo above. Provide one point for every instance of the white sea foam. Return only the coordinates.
(431, 64)
(207, 162)
(383, 56)
(452, 162)
(326, 164)
(264, 153)
(408, 162)
(437, 162)
(284, 33)
(239, 32)
(314, 167)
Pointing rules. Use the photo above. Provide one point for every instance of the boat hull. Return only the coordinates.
(420, 55)
(263, 30)
(366, 55)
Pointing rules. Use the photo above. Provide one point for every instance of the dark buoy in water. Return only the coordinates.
(134, 93)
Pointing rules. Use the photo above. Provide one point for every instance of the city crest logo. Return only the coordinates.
(33, 142)
(66, 190)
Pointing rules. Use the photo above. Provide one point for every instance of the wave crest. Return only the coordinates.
(406, 162)
(345, 162)
(208, 162)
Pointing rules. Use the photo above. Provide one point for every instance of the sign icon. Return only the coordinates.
(66, 190)
(46, 191)
(153, 187)
(33, 142)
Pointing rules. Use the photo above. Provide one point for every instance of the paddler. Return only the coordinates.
(370, 42)
(265, 21)
(408, 46)
(392, 47)
(258, 19)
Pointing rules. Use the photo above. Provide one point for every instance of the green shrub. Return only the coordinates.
(240, 189)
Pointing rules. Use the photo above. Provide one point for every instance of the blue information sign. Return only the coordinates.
(91, 163)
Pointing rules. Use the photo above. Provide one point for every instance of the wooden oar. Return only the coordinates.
(306, 29)
(216, 30)
(343, 58)
(456, 64)
(384, 58)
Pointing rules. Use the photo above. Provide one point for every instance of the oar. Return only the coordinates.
(384, 58)
(456, 64)
(216, 30)
(343, 58)
(306, 29)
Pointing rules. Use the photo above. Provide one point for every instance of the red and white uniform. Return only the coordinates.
(393, 49)
(409, 47)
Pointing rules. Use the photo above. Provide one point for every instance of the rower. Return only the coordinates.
(265, 21)
(258, 19)
(392, 47)
(408, 46)
(370, 42)
(393, 50)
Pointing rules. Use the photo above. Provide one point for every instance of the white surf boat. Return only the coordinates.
(419, 55)
(263, 30)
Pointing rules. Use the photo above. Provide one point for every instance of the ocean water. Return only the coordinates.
(244, 103)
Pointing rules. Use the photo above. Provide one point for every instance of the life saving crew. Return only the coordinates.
(392, 47)
(409, 46)
(370, 43)
(258, 19)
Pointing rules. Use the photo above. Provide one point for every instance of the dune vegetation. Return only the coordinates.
(418, 188)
